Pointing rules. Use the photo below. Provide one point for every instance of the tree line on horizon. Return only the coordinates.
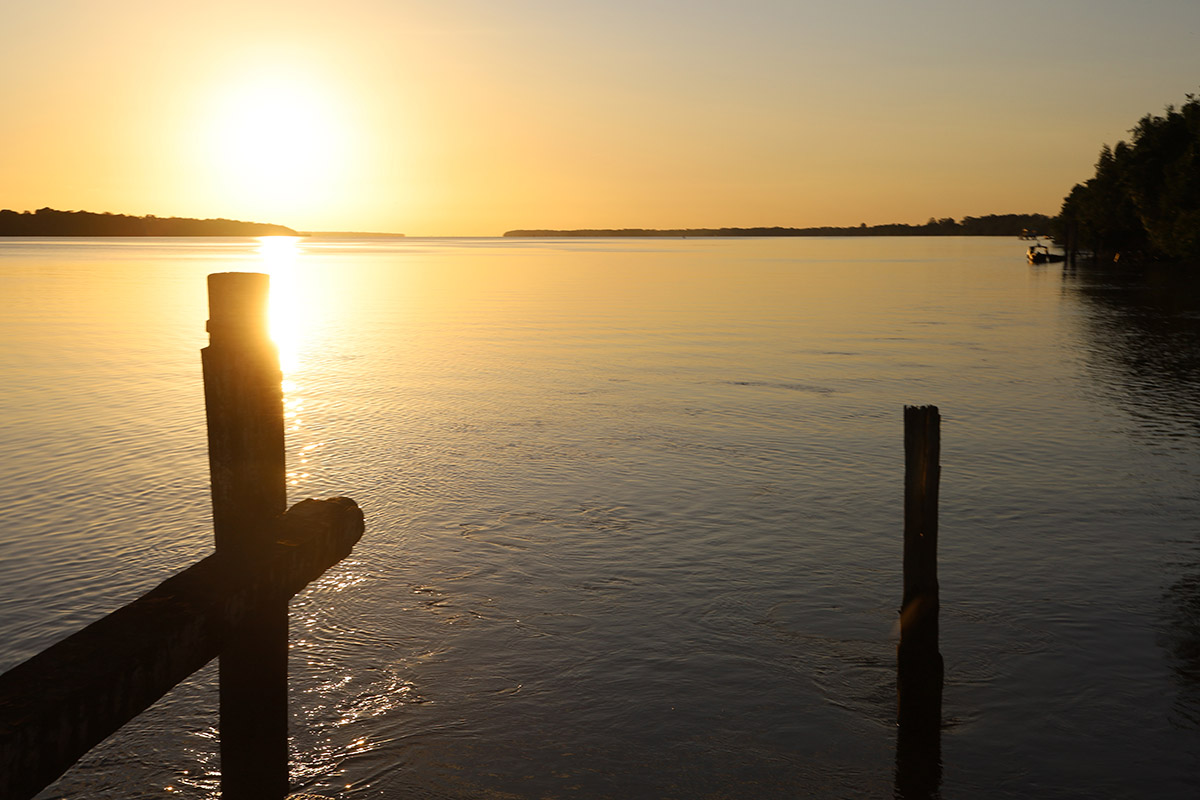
(1144, 200)
(1143, 203)
(990, 225)
(50, 222)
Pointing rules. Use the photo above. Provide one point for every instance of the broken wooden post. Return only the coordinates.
(919, 667)
(243, 396)
(70, 697)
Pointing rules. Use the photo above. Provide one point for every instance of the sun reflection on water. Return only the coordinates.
(279, 256)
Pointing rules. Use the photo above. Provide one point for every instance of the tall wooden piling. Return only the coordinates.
(243, 396)
(919, 668)
(244, 404)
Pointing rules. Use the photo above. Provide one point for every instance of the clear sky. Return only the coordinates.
(472, 117)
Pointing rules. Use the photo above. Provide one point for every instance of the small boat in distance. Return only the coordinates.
(1040, 254)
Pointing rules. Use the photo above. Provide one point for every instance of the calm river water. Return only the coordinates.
(634, 509)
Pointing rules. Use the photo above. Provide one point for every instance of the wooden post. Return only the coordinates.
(244, 405)
(919, 664)
(243, 397)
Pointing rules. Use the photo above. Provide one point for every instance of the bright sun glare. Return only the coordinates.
(278, 255)
(278, 142)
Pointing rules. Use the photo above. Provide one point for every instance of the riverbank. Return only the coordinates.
(51, 222)
(990, 225)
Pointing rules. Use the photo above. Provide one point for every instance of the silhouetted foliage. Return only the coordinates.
(991, 225)
(49, 222)
(1144, 199)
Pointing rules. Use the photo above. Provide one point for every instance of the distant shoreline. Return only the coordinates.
(50, 222)
(991, 225)
(353, 234)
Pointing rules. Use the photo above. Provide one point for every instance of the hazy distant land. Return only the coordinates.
(991, 225)
(1142, 204)
(49, 222)
(354, 234)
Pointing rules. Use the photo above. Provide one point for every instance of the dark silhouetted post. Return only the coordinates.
(243, 397)
(919, 664)
(244, 401)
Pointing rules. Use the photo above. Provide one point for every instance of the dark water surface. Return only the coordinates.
(634, 509)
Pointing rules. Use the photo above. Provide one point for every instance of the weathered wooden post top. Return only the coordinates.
(233, 604)
(238, 305)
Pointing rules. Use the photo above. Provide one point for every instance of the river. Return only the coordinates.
(634, 509)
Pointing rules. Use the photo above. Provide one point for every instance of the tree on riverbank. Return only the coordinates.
(990, 225)
(50, 222)
(1144, 199)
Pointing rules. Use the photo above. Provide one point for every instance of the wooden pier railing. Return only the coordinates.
(233, 604)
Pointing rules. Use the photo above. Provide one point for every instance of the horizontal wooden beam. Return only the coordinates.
(70, 697)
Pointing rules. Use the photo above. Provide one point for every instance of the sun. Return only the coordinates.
(278, 143)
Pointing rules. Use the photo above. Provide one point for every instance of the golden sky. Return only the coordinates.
(472, 117)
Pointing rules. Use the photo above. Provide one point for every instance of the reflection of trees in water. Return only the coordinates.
(1143, 332)
(1144, 328)
(1181, 637)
